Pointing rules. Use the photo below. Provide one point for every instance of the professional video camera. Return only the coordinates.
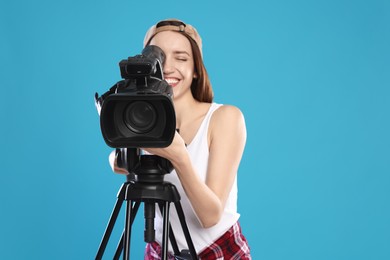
(138, 111)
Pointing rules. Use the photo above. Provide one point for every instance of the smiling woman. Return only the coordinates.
(205, 155)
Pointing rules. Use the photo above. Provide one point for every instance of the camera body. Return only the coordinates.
(138, 111)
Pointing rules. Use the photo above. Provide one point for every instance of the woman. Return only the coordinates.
(205, 155)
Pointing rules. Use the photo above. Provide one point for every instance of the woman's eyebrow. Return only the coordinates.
(182, 52)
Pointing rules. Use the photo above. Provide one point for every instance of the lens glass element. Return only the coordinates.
(140, 117)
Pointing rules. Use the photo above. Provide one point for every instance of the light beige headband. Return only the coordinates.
(173, 25)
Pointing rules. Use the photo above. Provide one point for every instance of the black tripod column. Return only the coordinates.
(150, 213)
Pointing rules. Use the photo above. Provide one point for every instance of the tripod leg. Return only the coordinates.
(164, 252)
(119, 247)
(171, 234)
(186, 232)
(111, 222)
(127, 232)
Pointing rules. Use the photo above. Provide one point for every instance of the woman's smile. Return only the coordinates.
(172, 81)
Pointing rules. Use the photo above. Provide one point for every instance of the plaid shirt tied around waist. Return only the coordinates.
(232, 245)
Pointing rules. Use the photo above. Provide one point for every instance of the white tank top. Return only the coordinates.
(201, 237)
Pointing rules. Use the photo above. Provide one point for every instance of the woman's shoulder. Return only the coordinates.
(227, 123)
(227, 113)
(227, 117)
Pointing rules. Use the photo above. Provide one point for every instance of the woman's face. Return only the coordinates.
(178, 67)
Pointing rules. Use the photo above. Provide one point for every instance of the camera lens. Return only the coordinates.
(140, 117)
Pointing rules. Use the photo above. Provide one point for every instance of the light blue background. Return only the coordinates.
(311, 77)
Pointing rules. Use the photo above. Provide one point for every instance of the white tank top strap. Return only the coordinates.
(204, 127)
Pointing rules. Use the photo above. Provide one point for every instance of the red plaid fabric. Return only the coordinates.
(153, 252)
(230, 246)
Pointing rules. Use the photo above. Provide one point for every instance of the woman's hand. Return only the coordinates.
(173, 152)
(113, 163)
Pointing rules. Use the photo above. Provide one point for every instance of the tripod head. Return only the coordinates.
(142, 167)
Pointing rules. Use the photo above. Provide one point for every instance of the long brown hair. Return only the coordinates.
(201, 86)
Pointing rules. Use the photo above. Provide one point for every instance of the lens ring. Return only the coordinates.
(140, 117)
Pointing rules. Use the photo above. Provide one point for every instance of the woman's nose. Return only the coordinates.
(167, 67)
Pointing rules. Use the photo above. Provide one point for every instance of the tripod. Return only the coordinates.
(147, 187)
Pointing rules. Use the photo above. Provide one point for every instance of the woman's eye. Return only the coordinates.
(181, 58)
